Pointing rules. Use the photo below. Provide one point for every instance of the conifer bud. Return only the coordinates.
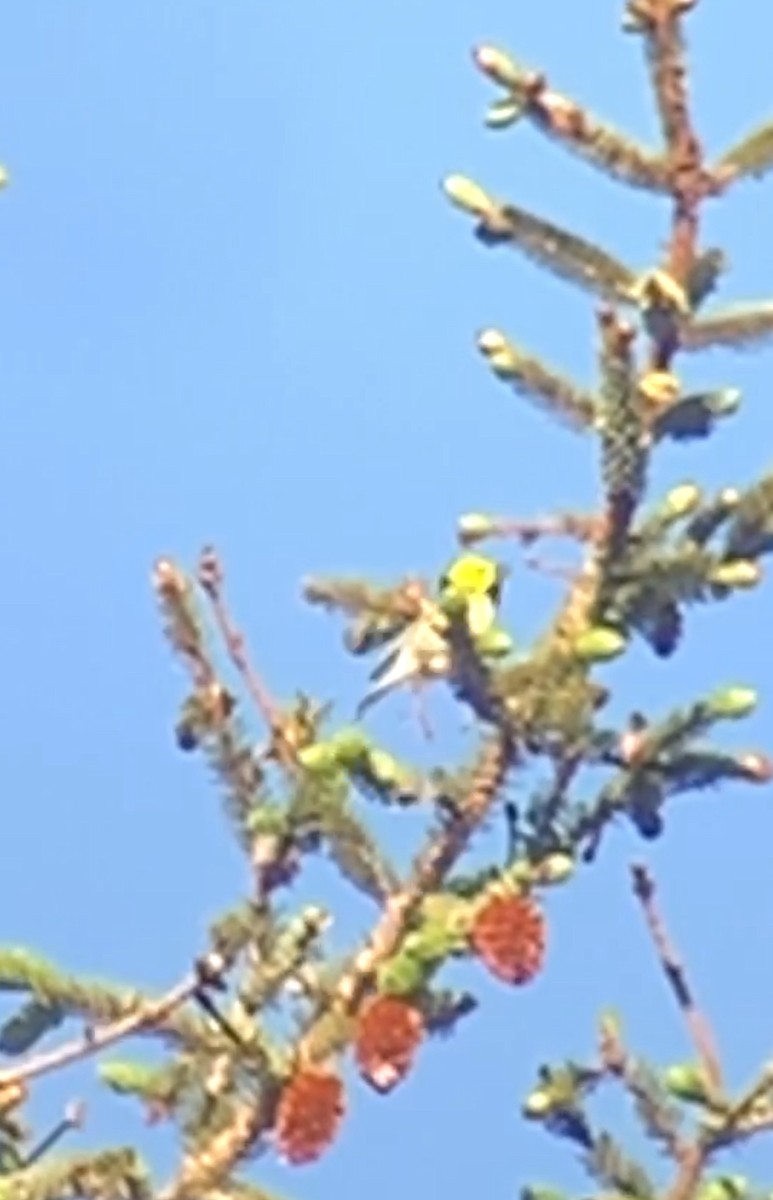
(738, 573)
(683, 500)
(600, 644)
(468, 195)
(494, 643)
(537, 1104)
(500, 354)
(350, 746)
(757, 768)
(503, 113)
(168, 580)
(473, 527)
(724, 1187)
(556, 868)
(732, 702)
(687, 1081)
(498, 66)
(319, 758)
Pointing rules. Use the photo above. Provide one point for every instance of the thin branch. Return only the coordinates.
(674, 971)
(211, 577)
(147, 1015)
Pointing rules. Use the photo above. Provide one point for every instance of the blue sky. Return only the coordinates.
(236, 308)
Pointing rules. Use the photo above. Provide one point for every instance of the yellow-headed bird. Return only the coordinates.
(422, 652)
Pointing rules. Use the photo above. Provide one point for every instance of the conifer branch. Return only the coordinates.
(209, 716)
(741, 326)
(660, 23)
(529, 95)
(211, 578)
(105, 1175)
(751, 156)
(538, 382)
(145, 1016)
(674, 972)
(476, 527)
(212, 1163)
(565, 254)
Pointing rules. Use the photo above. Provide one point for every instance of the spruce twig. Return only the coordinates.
(147, 1015)
(751, 156)
(212, 578)
(674, 971)
(572, 125)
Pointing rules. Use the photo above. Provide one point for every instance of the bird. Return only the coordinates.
(422, 652)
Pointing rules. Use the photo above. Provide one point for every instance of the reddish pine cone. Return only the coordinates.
(508, 934)
(389, 1031)
(308, 1115)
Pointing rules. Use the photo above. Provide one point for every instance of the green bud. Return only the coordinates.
(4, 177)
(732, 702)
(491, 341)
(537, 1104)
(600, 644)
(498, 66)
(474, 526)
(687, 1081)
(738, 573)
(350, 746)
(724, 1187)
(401, 975)
(319, 758)
(453, 602)
(683, 500)
(494, 643)
(610, 1026)
(724, 401)
(503, 113)
(503, 363)
(432, 944)
(384, 769)
(556, 868)
(468, 195)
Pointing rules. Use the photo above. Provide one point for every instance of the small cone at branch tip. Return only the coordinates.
(467, 195)
(308, 1115)
(508, 934)
(733, 702)
(389, 1032)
